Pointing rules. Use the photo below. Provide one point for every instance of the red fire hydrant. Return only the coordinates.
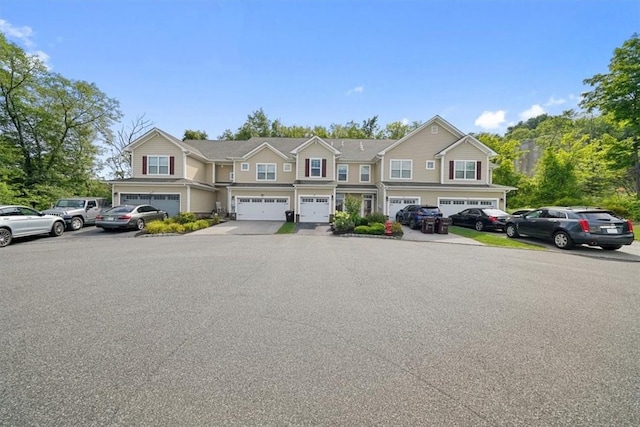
(387, 227)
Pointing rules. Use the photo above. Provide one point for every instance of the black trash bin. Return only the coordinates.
(428, 225)
(443, 225)
(290, 215)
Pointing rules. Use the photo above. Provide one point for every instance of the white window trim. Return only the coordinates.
(266, 172)
(338, 172)
(311, 175)
(360, 176)
(433, 165)
(158, 166)
(455, 169)
(286, 167)
(244, 167)
(401, 160)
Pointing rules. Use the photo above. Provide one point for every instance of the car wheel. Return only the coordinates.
(479, 226)
(76, 223)
(512, 231)
(611, 247)
(412, 223)
(140, 224)
(5, 237)
(57, 229)
(562, 240)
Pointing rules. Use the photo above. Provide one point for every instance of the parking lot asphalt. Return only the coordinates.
(295, 329)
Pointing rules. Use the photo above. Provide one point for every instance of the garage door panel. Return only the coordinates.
(453, 206)
(261, 208)
(314, 209)
(166, 202)
(397, 203)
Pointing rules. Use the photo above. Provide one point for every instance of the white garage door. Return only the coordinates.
(397, 203)
(166, 202)
(452, 206)
(314, 209)
(262, 208)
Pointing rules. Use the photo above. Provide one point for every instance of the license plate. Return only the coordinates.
(612, 231)
(110, 218)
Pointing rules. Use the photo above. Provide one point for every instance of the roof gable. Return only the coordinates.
(315, 140)
(434, 120)
(152, 133)
(467, 139)
(264, 146)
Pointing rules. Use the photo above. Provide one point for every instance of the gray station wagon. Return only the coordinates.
(569, 226)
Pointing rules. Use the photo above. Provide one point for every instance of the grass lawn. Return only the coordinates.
(493, 238)
(287, 228)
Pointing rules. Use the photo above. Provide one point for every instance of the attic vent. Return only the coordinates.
(332, 143)
(361, 147)
(434, 129)
(343, 143)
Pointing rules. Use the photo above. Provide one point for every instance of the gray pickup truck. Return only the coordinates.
(78, 211)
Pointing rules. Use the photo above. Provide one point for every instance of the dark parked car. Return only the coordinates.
(567, 227)
(480, 219)
(412, 215)
(21, 221)
(129, 216)
(521, 212)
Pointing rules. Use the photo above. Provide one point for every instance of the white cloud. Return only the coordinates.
(21, 33)
(43, 57)
(490, 119)
(535, 111)
(404, 121)
(555, 101)
(357, 89)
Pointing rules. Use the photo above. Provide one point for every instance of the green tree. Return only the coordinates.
(52, 122)
(195, 134)
(556, 181)
(618, 93)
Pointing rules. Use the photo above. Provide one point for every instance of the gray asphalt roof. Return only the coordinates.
(350, 149)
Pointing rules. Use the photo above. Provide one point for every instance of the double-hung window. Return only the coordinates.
(315, 167)
(365, 173)
(401, 169)
(465, 169)
(158, 165)
(266, 172)
(343, 173)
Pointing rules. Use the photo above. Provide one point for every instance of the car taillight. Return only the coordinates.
(98, 216)
(493, 219)
(585, 225)
(630, 226)
(124, 217)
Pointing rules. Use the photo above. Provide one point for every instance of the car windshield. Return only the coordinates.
(430, 211)
(495, 212)
(64, 203)
(120, 209)
(600, 216)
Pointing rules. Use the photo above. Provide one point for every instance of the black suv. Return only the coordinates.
(412, 215)
(569, 226)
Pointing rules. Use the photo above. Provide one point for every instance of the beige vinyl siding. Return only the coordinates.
(317, 151)
(196, 170)
(263, 156)
(353, 175)
(157, 146)
(222, 196)
(209, 174)
(466, 151)
(223, 171)
(420, 147)
(202, 201)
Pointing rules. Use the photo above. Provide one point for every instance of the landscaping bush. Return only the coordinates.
(396, 229)
(156, 227)
(376, 217)
(342, 223)
(376, 228)
(362, 229)
(185, 217)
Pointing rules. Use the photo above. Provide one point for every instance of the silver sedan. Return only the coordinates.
(21, 221)
(129, 216)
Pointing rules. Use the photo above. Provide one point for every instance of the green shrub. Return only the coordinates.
(342, 223)
(175, 228)
(185, 217)
(362, 229)
(376, 217)
(201, 224)
(361, 221)
(156, 227)
(377, 228)
(396, 229)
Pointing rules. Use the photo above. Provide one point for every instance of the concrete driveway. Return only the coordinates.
(242, 228)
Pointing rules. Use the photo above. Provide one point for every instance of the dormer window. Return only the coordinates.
(157, 165)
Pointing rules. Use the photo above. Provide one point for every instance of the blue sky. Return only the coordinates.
(482, 65)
